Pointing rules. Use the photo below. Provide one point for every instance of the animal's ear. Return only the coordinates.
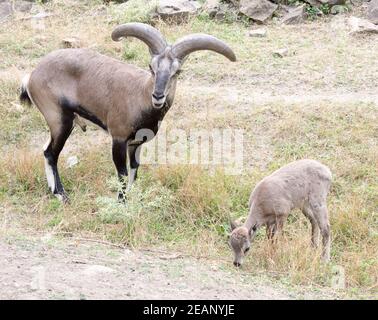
(252, 230)
(151, 70)
(233, 225)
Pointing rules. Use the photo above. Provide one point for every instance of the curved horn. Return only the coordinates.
(195, 42)
(144, 32)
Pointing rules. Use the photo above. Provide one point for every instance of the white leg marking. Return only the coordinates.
(45, 146)
(50, 176)
(48, 170)
(132, 174)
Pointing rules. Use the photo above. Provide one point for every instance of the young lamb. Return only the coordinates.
(302, 184)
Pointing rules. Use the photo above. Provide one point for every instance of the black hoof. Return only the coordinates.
(62, 197)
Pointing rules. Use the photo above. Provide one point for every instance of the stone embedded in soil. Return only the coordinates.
(280, 53)
(23, 6)
(258, 10)
(5, 10)
(259, 33)
(42, 15)
(318, 3)
(72, 161)
(97, 270)
(72, 42)
(216, 9)
(176, 11)
(295, 15)
(372, 11)
(359, 26)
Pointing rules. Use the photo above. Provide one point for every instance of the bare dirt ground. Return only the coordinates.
(49, 268)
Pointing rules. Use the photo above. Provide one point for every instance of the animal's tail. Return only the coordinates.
(24, 94)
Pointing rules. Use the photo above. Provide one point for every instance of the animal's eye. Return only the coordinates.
(246, 250)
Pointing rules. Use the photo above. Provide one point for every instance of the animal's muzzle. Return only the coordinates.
(237, 264)
(158, 96)
(158, 100)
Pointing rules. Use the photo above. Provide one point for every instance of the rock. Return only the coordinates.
(5, 10)
(212, 6)
(373, 11)
(177, 10)
(72, 161)
(42, 15)
(314, 3)
(361, 26)
(295, 15)
(72, 42)
(280, 53)
(220, 15)
(22, 6)
(235, 3)
(217, 9)
(259, 33)
(258, 10)
(339, 9)
(47, 237)
(332, 2)
(95, 270)
(318, 3)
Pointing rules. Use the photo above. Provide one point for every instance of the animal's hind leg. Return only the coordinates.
(321, 217)
(314, 227)
(318, 206)
(320, 214)
(80, 122)
(52, 149)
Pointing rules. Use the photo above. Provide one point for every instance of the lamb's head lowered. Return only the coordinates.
(166, 59)
(240, 242)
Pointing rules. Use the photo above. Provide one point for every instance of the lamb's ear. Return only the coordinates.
(252, 230)
(233, 225)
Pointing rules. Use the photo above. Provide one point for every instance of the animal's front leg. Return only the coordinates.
(119, 159)
(133, 150)
(271, 230)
